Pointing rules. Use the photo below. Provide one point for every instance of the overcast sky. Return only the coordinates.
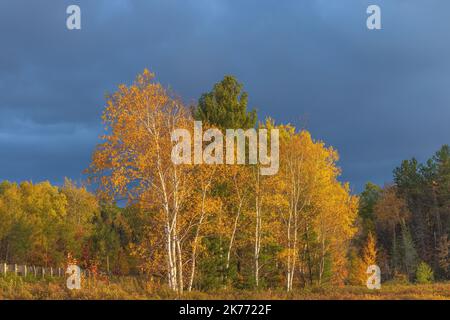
(377, 96)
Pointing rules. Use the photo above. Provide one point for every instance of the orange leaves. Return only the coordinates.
(315, 209)
(303, 211)
(391, 210)
(135, 118)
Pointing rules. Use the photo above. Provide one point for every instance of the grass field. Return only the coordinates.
(12, 287)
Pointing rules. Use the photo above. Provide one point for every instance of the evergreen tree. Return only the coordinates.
(409, 252)
(424, 273)
(369, 254)
(226, 106)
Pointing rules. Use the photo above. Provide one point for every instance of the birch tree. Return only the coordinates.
(134, 161)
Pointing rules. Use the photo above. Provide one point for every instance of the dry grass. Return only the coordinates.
(12, 287)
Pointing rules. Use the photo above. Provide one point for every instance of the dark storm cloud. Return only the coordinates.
(377, 96)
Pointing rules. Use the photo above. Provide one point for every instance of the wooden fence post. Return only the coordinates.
(24, 270)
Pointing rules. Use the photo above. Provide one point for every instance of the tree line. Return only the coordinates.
(204, 227)
(411, 219)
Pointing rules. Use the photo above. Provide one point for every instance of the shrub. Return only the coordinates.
(424, 273)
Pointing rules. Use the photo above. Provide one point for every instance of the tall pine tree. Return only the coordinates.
(226, 106)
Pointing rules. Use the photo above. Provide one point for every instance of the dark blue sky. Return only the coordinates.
(377, 96)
